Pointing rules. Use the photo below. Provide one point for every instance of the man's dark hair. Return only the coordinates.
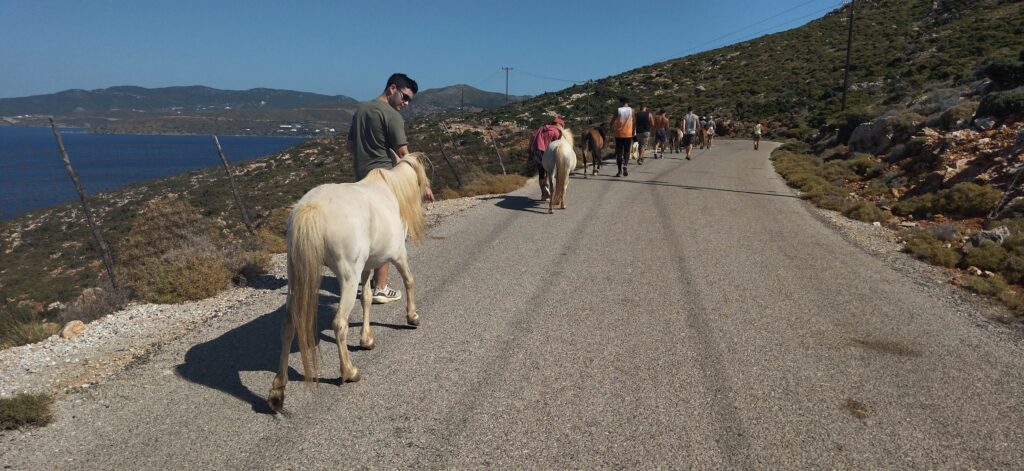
(690, 109)
(403, 81)
(623, 100)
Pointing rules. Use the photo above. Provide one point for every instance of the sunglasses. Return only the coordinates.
(405, 97)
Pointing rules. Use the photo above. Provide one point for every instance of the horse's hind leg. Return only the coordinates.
(366, 335)
(276, 398)
(349, 373)
(402, 263)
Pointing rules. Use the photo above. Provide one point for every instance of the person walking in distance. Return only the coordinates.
(757, 134)
(542, 137)
(709, 131)
(623, 129)
(644, 125)
(660, 134)
(690, 124)
(376, 131)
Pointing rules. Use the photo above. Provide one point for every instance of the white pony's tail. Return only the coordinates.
(305, 269)
(562, 170)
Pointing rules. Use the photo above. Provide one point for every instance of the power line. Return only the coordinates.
(697, 47)
(549, 78)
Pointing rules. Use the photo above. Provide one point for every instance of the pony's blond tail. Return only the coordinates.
(562, 170)
(305, 262)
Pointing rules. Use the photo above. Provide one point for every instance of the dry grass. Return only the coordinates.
(26, 410)
(485, 185)
(173, 254)
(20, 326)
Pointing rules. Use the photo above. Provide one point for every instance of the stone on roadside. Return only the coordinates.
(974, 271)
(72, 329)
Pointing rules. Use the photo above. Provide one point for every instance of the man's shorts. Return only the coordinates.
(659, 136)
(643, 138)
(688, 139)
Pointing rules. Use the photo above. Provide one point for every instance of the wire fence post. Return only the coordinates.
(234, 188)
(448, 161)
(104, 250)
(496, 151)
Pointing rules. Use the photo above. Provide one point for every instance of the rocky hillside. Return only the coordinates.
(793, 79)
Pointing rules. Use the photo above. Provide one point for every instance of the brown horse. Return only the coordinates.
(593, 142)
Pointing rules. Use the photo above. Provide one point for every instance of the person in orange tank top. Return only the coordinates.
(623, 128)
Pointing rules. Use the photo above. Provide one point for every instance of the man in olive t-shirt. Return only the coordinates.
(377, 127)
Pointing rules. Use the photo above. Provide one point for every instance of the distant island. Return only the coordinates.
(205, 110)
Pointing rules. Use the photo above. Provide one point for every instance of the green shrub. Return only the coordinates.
(876, 189)
(964, 200)
(26, 410)
(1005, 73)
(988, 286)
(797, 147)
(865, 212)
(861, 164)
(945, 232)
(968, 200)
(922, 245)
(1013, 267)
(987, 256)
(188, 275)
(833, 201)
(1002, 104)
(916, 206)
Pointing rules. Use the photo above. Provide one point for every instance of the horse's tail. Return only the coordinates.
(305, 269)
(562, 168)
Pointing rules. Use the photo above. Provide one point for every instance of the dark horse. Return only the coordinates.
(593, 142)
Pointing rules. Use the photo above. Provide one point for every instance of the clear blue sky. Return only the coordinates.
(350, 48)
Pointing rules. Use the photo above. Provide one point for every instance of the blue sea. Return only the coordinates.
(32, 174)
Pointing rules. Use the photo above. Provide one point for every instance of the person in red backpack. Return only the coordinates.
(542, 137)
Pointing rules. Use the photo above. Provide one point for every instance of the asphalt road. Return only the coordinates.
(693, 315)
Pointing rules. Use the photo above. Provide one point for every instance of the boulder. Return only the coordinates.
(869, 138)
(997, 235)
(984, 124)
(72, 329)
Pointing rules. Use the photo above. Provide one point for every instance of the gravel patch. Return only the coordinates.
(883, 244)
(58, 365)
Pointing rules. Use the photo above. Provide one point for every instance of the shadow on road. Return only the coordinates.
(692, 187)
(519, 203)
(255, 346)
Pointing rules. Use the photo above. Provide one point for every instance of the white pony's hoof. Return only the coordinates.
(368, 345)
(413, 320)
(352, 379)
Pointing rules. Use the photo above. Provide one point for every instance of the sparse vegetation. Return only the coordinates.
(924, 246)
(24, 410)
(486, 185)
(19, 325)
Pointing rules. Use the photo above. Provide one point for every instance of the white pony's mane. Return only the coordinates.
(407, 180)
(567, 136)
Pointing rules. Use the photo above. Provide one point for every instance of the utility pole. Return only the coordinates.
(849, 45)
(506, 69)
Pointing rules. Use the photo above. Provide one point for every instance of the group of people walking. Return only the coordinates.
(630, 127)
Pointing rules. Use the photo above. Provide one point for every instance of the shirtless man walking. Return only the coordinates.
(660, 133)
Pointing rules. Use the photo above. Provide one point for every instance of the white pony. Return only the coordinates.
(351, 228)
(559, 161)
